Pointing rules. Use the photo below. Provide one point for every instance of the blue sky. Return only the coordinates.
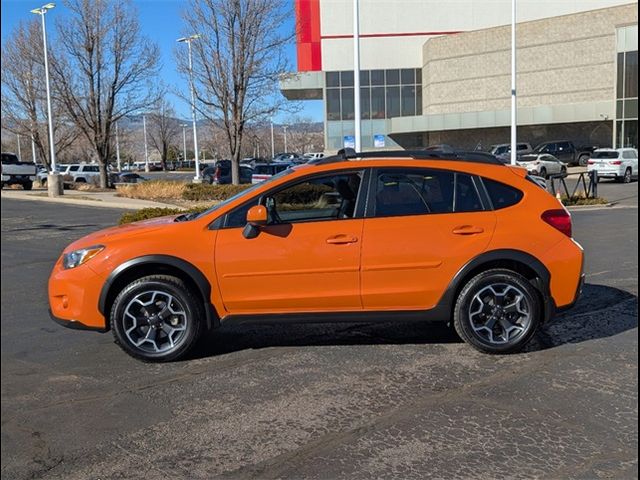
(160, 21)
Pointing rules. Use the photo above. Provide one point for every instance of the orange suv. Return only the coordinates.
(431, 236)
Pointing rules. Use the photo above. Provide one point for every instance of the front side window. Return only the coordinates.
(330, 197)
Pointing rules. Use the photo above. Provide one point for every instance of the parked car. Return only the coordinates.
(542, 165)
(264, 171)
(220, 173)
(566, 152)
(334, 240)
(43, 173)
(313, 155)
(82, 172)
(503, 150)
(620, 164)
(289, 158)
(126, 177)
(15, 172)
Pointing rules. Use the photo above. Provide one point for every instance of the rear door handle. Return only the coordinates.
(342, 239)
(467, 230)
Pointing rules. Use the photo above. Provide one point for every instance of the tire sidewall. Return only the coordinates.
(462, 321)
(176, 289)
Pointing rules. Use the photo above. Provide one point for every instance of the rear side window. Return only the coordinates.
(501, 195)
(629, 154)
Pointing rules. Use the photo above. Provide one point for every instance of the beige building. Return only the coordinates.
(577, 73)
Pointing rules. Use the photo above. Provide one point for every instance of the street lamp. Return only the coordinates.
(188, 41)
(184, 142)
(285, 138)
(118, 149)
(18, 152)
(53, 182)
(146, 151)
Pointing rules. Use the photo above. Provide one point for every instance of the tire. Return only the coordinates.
(159, 339)
(627, 176)
(474, 312)
(543, 172)
(27, 185)
(583, 160)
(563, 170)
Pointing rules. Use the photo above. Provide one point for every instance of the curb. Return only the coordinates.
(69, 200)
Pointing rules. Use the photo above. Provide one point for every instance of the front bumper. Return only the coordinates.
(73, 297)
(75, 325)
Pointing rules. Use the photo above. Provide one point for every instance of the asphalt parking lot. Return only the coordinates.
(320, 401)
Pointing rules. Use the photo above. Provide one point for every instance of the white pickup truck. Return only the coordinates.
(16, 172)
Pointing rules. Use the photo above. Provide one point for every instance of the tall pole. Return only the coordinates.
(18, 152)
(514, 120)
(33, 149)
(146, 151)
(188, 40)
(356, 74)
(52, 149)
(273, 152)
(118, 149)
(285, 139)
(184, 142)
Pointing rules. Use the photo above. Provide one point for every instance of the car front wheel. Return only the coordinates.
(156, 319)
(497, 311)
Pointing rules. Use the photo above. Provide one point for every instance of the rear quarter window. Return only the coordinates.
(501, 195)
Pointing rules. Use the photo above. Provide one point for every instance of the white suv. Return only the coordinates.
(620, 164)
(83, 172)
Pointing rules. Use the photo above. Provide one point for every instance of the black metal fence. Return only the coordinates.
(586, 185)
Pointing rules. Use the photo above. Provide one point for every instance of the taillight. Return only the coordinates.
(616, 162)
(591, 162)
(559, 219)
(217, 174)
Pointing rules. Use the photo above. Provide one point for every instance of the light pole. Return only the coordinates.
(18, 152)
(356, 75)
(285, 138)
(33, 149)
(514, 104)
(184, 142)
(273, 153)
(118, 149)
(146, 151)
(188, 41)
(55, 188)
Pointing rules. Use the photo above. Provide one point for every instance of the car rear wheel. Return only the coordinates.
(156, 319)
(583, 161)
(543, 172)
(27, 185)
(497, 311)
(627, 176)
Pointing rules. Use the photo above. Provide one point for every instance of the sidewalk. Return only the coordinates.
(88, 199)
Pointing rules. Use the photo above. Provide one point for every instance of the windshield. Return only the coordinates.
(243, 193)
(604, 155)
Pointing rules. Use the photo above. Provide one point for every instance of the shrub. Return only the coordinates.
(153, 190)
(576, 201)
(147, 213)
(204, 191)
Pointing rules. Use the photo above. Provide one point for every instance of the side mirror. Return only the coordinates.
(256, 217)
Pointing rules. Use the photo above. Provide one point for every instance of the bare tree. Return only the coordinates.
(237, 62)
(104, 71)
(23, 93)
(164, 129)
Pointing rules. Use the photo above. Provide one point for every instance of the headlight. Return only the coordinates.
(78, 257)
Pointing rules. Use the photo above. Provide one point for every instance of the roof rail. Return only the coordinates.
(427, 154)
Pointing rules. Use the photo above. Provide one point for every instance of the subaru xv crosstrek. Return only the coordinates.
(430, 236)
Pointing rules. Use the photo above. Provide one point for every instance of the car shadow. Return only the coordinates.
(602, 311)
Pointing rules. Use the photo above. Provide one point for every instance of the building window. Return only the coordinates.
(627, 100)
(383, 94)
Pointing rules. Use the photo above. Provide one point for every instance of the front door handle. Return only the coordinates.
(342, 239)
(467, 230)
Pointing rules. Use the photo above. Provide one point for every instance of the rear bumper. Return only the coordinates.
(577, 296)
